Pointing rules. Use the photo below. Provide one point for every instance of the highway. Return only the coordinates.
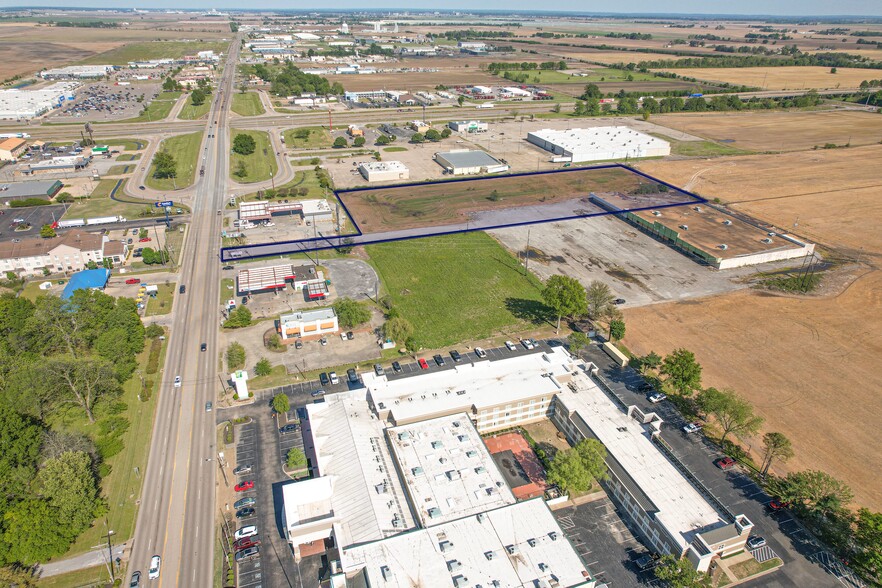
(176, 515)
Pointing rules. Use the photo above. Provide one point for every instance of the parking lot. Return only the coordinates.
(34, 216)
(106, 101)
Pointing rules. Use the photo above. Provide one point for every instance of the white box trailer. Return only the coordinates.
(620, 358)
(74, 222)
(103, 220)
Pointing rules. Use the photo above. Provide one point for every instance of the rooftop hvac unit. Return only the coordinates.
(531, 542)
(723, 246)
(512, 549)
(489, 555)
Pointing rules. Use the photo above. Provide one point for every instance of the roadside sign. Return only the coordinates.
(164, 204)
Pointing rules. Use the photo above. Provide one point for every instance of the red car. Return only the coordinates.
(243, 486)
(776, 505)
(144, 240)
(246, 542)
(133, 281)
(423, 364)
(725, 463)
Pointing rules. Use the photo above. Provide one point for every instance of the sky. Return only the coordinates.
(753, 7)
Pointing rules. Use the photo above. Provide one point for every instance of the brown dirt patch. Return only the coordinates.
(781, 131)
(809, 366)
(782, 78)
(413, 81)
(445, 203)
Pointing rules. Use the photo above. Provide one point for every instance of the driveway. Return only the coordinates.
(353, 278)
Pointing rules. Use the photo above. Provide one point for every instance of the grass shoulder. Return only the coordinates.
(247, 104)
(260, 165)
(308, 138)
(185, 150)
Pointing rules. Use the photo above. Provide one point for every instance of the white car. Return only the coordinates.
(248, 531)
(334, 378)
(480, 352)
(177, 381)
(657, 397)
(528, 344)
(691, 428)
(155, 563)
(511, 346)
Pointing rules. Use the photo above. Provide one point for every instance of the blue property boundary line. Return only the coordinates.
(313, 243)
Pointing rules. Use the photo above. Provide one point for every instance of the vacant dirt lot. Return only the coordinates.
(781, 130)
(413, 81)
(809, 366)
(782, 78)
(834, 194)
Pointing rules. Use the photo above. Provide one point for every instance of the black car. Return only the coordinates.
(619, 301)
(136, 580)
(244, 512)
(289, 428)
(438, 359)
(203, 347)
(182, 289)
(396, 366)
(325, 380)
(244, 300)
(352, 375)
(455, 356)
(228, 267)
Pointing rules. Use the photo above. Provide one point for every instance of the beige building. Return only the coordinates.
(307, 323)
(70, 252)
(12, 148)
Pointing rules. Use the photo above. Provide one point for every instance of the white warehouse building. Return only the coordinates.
(384, 171)
(26, 104)
(599, 143)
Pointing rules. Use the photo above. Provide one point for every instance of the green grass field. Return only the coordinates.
(154, 50)
(125, 144)
(128, 157)
(457, 288)
(94, 576)
(704, 149)
(190, 112)
(247, 104)
(99, 203)
(394, 149)
(597, 74)
(162, 304)
(319, 138)
(260, 164)
(185, 150)
(302, 179)
(118, 170)
(158, 109)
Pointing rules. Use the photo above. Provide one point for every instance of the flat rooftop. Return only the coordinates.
(709, 229)
(477, 384)
(674, 501)
(447, 470)
(377, 166)
(349, 443)
(468, 158)
(308, 315)
(600, 139)
(262, 278)
(520, 545)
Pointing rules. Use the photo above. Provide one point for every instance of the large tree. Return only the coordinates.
(235, 356)
(734, 414)
(775, 446)
(244, 144)
(32, 532)
(397, 329)
(351, 313)
(20, 438)
(566, 296)
(281, 404)
(812, 490)
(600, 299)
(238, 317)
(568, 472)
(682, 371)
(868, 544)
(616, 329)
(680, 573)
(82, 380)
(593, 456)
(69, 484)
(165, 165)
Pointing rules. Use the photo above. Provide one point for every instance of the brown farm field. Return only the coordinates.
(782, 78)
(445, 203)
(413, 81)
(780, 130)
(809, 366)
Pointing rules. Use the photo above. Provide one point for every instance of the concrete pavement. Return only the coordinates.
(96, 557)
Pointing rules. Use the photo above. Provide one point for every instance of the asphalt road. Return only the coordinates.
(176, 518)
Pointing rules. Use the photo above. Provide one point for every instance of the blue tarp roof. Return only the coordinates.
(96, 278)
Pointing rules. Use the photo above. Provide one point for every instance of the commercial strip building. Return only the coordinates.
(468, 126)
(307, 323)
(599, 143)
(419, 451)
(67, 253)
(25, 103)
(277, 277)
(710, 235)
(77, 72)
(384, 171)
(59, 164)
(33, 189)
(11, 149)
(462, 162)
(315, 210)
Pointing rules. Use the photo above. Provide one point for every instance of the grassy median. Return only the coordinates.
(247, 104)
(257, 167)
(185, 150)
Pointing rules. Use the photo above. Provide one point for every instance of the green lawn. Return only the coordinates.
(122, 486)
(158, 109)
(118, 170)
(128, 157)
(319, 138)
(126, 144)
(458, 288)
(260, 164)
(162, 304)
(32, 289)
(394, 149)
(227, 289)
(597, 74)
(302, 179)
(185, 150)
(99, 203)
(248, 104)
(704, 149)
(190, 112)
(154, 50)
(89, 577)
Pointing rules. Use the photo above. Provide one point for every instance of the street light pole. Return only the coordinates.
(109, 551)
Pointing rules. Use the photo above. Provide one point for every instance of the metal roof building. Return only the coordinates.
(265, 278)
(37, 189)
(94, 279)
(599, 143)
(464, 162)
(384, 171)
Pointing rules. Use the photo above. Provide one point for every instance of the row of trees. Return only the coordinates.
(288, 80)
(62, 366)
(567, 297)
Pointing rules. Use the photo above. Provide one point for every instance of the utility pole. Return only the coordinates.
(109, 550)
(527, 254)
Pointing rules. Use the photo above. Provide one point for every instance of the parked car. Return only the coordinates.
(619, 301)
(334, 378)
(289, 428)
(133, 281)
(243, 502)
(182, 289)
(228, 267)
(141, 188)
(776, 504)
(248, 554)
(242, 469)
(396, 367)
(480, 353)
(177, 381)
(324, 341)
(455, 356)
(298, 344)
(243, 486)
(155, 565)
(248, 531)
(528, 343)
(144, 240)
(246, 542)
(324, 379)
(657, 397)
(317, 393)
(136, 580)
(423, 364)
(647, 561)
(378, 369)
(129, 241)
(691, 428)
(755, 542)
(438, 359)
(244, 512)
(511, 346)
(725, 463)
(352, 375)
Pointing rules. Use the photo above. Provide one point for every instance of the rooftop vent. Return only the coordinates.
(462, 438)
(417, 471)
(404, 435)
(445, 546)
(454, 565)
(771, 234)
(656, 213)
(512, 549)
(460, 581)
(696, 208)
(489, 555)
(553, 535)
(684, 227)
(434, 512)
(453, 475)
(767, 240)
(531, 542)
(437, 445)
(471, 453)
(387, 573)
(542, 567)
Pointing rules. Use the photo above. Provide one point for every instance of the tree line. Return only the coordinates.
(62, 367)
(289, 80)
(792, 57)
